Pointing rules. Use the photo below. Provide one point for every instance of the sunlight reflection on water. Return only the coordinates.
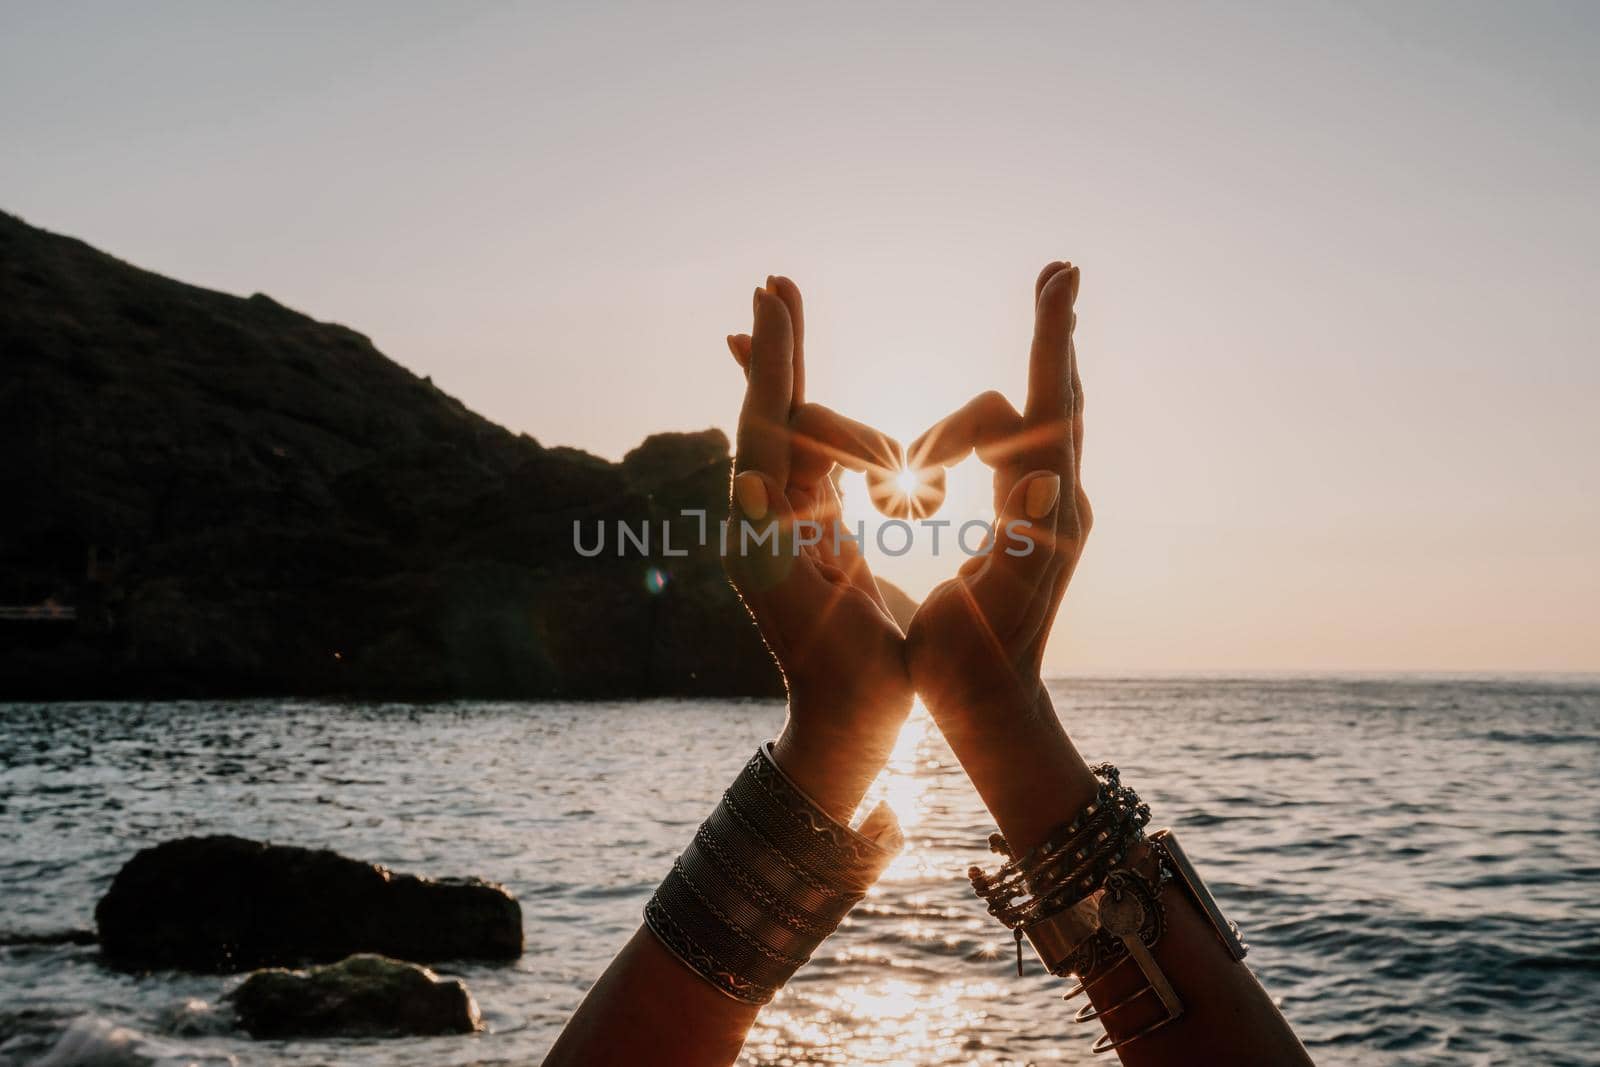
(892, 1021)
(901, 784)
(884, 1019)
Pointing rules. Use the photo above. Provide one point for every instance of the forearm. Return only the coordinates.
(649, 1008)
(1228, 1017)
(1033, 779)
(757, 885)
(1023, 764)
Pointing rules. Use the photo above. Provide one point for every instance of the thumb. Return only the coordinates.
(761, 545)
(1024, 538)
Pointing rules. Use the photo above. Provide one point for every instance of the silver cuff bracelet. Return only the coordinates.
(767, 877)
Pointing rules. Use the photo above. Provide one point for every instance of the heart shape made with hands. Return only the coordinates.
(986, 427)
(817, 439)
(911, 492)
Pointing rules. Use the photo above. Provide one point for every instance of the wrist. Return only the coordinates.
(1019, 757)
(834, 754)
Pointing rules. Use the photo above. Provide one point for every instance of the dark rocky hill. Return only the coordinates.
(235, 499)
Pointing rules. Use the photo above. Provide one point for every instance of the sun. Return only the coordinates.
(906, 491)
(907, 481)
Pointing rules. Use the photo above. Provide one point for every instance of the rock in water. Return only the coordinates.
(363, 996)
(223, 904)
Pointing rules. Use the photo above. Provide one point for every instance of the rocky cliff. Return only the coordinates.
(210, 495)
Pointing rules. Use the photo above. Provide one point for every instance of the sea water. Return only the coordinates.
(1414, 861)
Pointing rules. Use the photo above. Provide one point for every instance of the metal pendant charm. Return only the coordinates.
(1122, 916)
(1130, 913)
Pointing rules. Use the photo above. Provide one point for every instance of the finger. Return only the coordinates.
(1049, 375)
(1076, 381)
(761, 551)
(832, 573)
(802, 502)
(1016, 605)
(1033, 629)
(1015, 584)
(1072, 531)
(1072, 534)
(987, 423)
(763, 439)
(1042, 614)
(821, 437)
(1045, 275)
(827, 509)
(979, 558)
(1077, 399)
(1004, 480)
(841, 551)
(794, 598)
(739, 345)
(789, 293)
(1025, 537)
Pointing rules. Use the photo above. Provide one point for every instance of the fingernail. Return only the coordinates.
(751, 493)
(733, 347)
(1043, 492)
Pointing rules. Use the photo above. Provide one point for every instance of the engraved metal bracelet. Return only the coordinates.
(767, 877)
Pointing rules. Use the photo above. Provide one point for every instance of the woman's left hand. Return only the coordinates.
(811, 592)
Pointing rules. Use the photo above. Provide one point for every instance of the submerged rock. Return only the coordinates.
(225, 904)
(363, 996)
(194, 1017)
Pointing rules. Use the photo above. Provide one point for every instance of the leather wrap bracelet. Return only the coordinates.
(767, 877)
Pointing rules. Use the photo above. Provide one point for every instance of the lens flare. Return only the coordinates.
(906, 492)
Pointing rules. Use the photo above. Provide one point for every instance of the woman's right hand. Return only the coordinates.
(976, 645)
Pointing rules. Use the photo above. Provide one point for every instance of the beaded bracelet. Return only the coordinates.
(767, 877)
(1070, 864)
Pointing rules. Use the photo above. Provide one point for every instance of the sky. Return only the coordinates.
(1338, 320)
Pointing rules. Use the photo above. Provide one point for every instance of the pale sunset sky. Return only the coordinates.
(1341, 266)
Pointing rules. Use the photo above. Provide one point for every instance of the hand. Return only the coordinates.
(815, 600)
(977, 643)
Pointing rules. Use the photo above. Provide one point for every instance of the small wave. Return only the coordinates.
(1204, 818)
(620, 889)
(14, 938)
(1506, 737)
(92, 1041)
(1584, 962)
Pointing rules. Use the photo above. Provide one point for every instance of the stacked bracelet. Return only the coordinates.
(1070, 865)
(1089, 902)
(767, 877)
